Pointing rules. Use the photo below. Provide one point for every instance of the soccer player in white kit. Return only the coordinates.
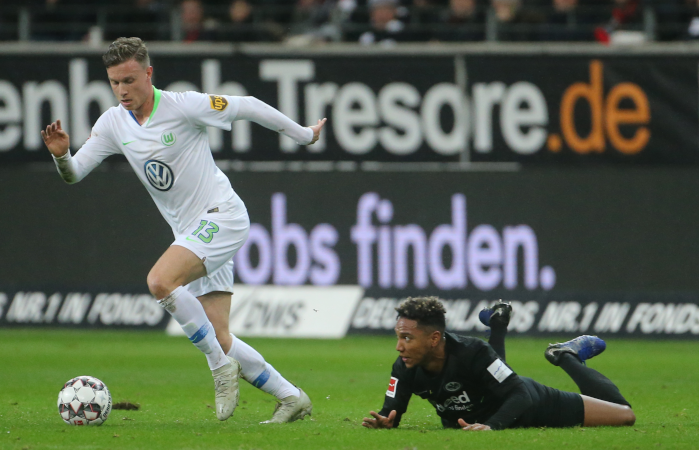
(163, 136)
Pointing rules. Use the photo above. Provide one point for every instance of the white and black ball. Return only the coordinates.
(84, 400)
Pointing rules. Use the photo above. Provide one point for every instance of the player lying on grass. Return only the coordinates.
(471, 386)
(163, 136)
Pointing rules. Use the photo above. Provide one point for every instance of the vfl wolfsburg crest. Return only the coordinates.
(168, 138)
(159, 175)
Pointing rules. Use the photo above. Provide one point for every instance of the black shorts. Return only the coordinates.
(551, 408)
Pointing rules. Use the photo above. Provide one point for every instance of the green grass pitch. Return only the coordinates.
(345, 379)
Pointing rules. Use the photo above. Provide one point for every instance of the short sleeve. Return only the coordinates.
(206, 110)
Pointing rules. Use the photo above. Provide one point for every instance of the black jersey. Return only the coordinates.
(475, 385)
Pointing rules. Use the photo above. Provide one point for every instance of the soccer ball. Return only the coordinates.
(84, 400)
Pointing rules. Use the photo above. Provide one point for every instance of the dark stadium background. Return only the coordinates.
(542, 152)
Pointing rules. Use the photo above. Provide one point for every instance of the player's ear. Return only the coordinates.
(436, 337)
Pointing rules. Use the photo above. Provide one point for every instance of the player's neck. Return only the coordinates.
(143, 113)
(436, 361)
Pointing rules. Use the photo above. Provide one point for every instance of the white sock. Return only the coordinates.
(188, 312)
(259, 373)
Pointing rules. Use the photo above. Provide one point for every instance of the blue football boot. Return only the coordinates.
(584, 347)
(499, 313)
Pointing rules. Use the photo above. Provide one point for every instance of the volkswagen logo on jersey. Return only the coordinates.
(168, 138)
(159, 175)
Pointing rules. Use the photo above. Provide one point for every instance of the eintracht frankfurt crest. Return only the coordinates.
(159, 175)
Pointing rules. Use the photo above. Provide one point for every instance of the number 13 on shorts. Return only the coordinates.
(206, 231)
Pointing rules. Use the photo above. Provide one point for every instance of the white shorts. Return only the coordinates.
(214, 238)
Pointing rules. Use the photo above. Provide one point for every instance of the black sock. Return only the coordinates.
(590, 382)
(497, 339)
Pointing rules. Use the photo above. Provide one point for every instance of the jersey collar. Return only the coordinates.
(156, 101)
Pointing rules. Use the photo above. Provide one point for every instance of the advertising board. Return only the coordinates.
(423, 107)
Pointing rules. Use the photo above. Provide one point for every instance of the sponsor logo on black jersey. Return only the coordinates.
(159, 175)
(218, 103)
(455, 403)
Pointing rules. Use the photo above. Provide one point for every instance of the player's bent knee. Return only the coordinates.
(157, 287)
(602, 413)
(629, 417)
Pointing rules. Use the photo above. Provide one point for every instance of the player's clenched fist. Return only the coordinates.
(379, 421)
(56, 140)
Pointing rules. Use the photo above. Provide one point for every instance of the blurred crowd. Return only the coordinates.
(382, 22)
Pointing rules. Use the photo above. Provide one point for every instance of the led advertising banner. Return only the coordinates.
(290, 311)
(332, 312)
(535, 231)
(394, 107)
(80, 309)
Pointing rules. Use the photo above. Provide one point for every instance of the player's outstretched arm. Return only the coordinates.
(254, 110)
(316, 130)
(56, 139)
(473, 426)
(379, 421)
(73, 169)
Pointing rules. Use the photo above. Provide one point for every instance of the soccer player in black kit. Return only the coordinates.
(471, 386)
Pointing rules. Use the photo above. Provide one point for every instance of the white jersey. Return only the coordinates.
(170, 153)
